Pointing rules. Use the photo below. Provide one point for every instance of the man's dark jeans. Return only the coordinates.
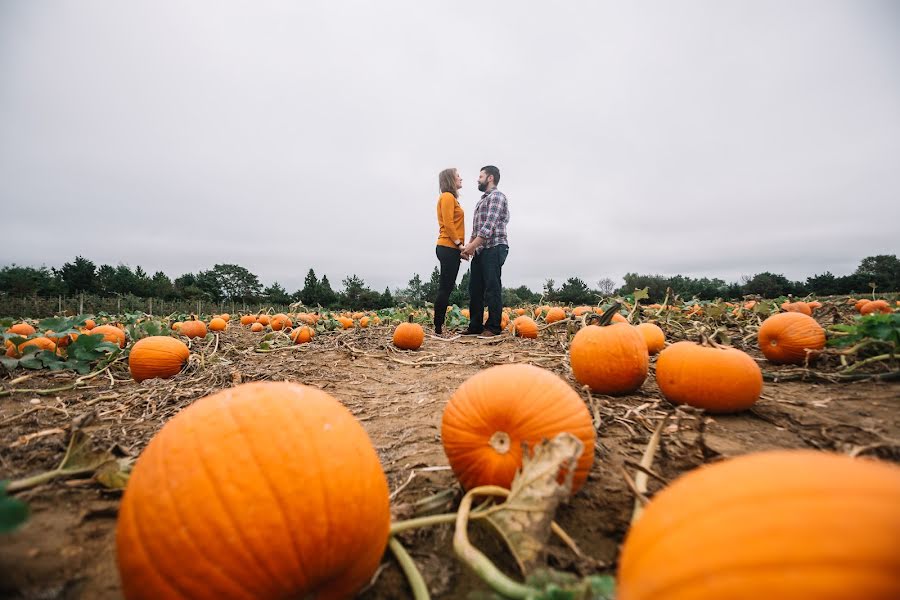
(485, 288)
(449, 259)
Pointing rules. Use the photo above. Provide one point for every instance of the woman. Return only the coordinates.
(450, 243)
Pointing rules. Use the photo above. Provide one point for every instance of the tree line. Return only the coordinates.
(230, 282)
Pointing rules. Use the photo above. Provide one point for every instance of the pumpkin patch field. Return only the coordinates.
(625, 450)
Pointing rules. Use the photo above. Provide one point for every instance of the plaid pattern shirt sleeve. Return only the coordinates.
(490, 219)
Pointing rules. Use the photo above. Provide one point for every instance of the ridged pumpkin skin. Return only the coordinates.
(525, 327)
(784, 338)
(555, 314)
(110, 333)
(217, 324)
(409, 336)
(524, 402)
(157, 356)
(612, 359)
(653, 336)
(781, 525)
(264, 490)
(193, 329)
(720, 380)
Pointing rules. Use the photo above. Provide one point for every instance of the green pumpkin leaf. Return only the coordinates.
(13, 512)
(9, 363)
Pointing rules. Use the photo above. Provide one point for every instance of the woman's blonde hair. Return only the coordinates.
(447, 182)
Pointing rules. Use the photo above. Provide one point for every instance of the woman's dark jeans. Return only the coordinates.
(449, 259)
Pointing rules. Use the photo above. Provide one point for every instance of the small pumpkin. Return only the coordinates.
(110, 333)
(525, 327)
(218, 324)
(264, 319)
(176, 326)
(788, 337)
(653, 337)
(301, 335)
(611, 359)
(263, 490)
(773, 525)
(875, 306)
(800, 307)
(90, 324)
(193, 329)
(717, 378)
(860, 303)
(256, 327)
(520, 311)
(248, 319)
(555, 314)
(225, 317)
(409, 336)
(280, 321)
(495, 411)
(157, 356)
(364, 322)
(22, 329)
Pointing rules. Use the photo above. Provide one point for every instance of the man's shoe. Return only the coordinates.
(487, 333)
(470, 332)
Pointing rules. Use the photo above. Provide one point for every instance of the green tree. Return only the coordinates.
(309, 295)
(430, 289)
(22, 281)
(415, 290)
(387, 299)
(276, 294)
(106, 275)
(575, 291)
(326, 296)
(162, 286)
(79, 275)
(460, 294)
(769, 285)
(354, 288)
(883, 270)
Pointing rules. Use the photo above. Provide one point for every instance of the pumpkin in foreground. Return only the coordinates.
(157, 356)
(264, 490)
(409, 336)
(717, 378)
(779, 525)
(787, 337)
(493, 412)
(611, 359)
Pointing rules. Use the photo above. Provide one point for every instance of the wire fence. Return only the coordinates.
(40, 307)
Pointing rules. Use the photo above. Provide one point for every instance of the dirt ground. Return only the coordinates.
(67, 548)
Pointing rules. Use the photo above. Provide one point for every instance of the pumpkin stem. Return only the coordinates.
(409, 319)
(605, 318)
(501, 442)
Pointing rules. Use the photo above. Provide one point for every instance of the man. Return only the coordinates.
(487, 248)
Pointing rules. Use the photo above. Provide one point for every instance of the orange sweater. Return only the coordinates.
(451, 221)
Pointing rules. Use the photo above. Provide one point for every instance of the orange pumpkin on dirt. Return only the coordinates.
(110, 334)
(301, 335)
(717, 378)
(364, 322)
(875, 306)
(800, 307)
(280, 321)
(218, 324)
(264, 319)
(771, 525)
(225, 317)
(157, 356)
(41, 343)
(193, 329)
(256, 327)
(520, 311)
(860, 303)
(264, 490)
(248, 319)
(346, 322)
(525, 327)
(495, 411)
(23, 329)
(787, 337)
(611, 359)
(555, 314)
(653, 336)
(409, 336)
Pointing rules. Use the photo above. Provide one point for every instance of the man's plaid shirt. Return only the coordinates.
(491, 217)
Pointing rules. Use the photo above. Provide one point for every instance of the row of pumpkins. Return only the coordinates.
(274, 490)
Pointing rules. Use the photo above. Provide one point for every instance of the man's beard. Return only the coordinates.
(482, 186)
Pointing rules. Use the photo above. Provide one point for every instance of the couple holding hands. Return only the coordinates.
(487, 249)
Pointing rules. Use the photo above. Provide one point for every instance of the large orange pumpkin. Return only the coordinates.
(653, 336)
(23, 329)
(780, 525)
(719, 379)
(257, 327)
(611, 359)
(786, 337)
(264, 490)
(525, 327)
(555, 314)
(280, 321)
(248, 319)
(301, 335)
(110, 333)
(41, 343)
(264, 319)
(409, 336)
(493, 412)
(157, 356)
(875, 306)
(193, 329)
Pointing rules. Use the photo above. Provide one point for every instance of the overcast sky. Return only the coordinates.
(704, 138)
